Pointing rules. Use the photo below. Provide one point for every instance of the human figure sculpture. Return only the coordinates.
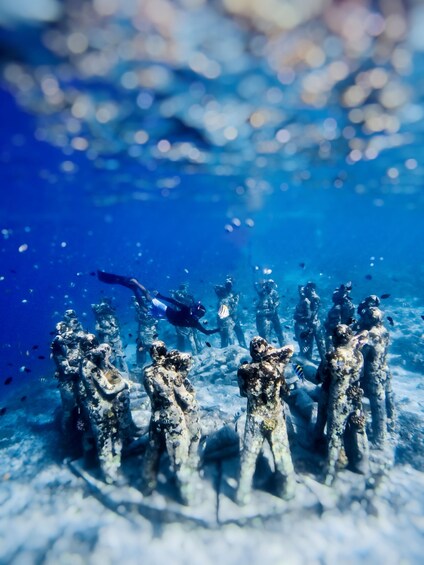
(108, 331)
(180, 364)
(227, 316)
(261, 381)
(105, 405)
(377, 380)
(147, 330)
(186, 337)
(345, 419)
(66, 354)
(307, 326)
(371, 301)
(342, 312)
(267, 311)
(168, 431)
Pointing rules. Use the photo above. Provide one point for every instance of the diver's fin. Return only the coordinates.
(110, 278)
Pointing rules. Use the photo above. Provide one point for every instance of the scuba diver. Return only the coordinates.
(181, 316)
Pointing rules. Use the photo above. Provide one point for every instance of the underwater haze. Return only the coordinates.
(184, 142)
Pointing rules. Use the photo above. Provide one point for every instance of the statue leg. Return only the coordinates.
(151, 459)
(252, 444)
(336, 425)
(284, 471)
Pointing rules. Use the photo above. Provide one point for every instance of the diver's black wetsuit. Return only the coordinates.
(182, 315)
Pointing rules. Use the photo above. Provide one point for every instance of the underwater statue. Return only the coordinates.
(345, 419)
(170, 397)
(377, 380)
(371, 301)
(104, 401)
(66, 354)
(307, 325)
(186, 337)
(227, 317)
(108, 331)
(342, 312)
(180, 364)
(261, 381)
(267, 311)
(147, 331)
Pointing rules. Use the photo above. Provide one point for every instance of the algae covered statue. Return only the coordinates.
(228, 320)
(105, 406)
(345, 419)
(173, 422)
(186, 337)
(261, 381)
(108, 331)
(66, 354)
(307, 325)
(185, 396)
(377, 380)
(267, 311)
(342, 312)
(147, 330)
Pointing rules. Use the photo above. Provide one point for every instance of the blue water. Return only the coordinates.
(176, 141)
(73, 226)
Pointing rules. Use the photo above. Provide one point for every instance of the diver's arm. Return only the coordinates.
(198, 326)
(172, 301)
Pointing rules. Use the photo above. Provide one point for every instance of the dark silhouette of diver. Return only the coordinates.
(182, 315)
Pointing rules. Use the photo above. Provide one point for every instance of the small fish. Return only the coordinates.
(27, 370)
(3, 411)
(422, 317)
(10, 364)
(92, 274)
(287, 327)
(130, 335)
(299, 371)
(390, 320)
(350, 321)
(208, 344)
(23, 398)
(302, 265)
(368, 277)
(223, 312)
(384, 296)
(41, 357)
(8, 380)
(52, 333)
(35, 347)
(155, 336)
